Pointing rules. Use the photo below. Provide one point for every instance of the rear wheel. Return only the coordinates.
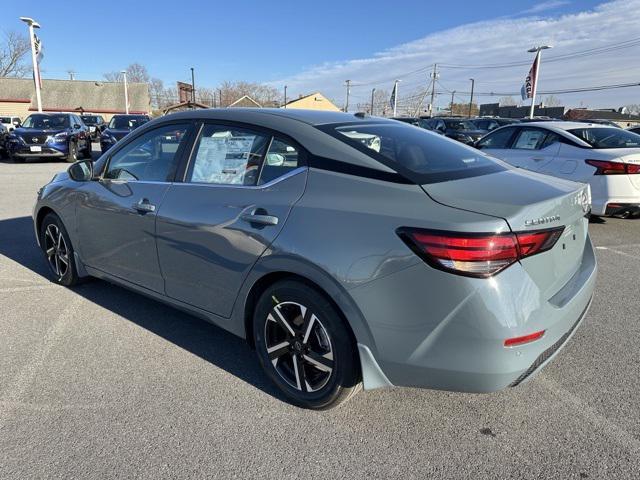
(58, 250)
(305, 347)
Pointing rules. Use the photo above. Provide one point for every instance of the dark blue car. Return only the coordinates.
(50, 135)
(119, 126)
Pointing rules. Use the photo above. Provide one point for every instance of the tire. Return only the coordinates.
(87, 150)
(72, 157)
(58, 251)
(305, 347)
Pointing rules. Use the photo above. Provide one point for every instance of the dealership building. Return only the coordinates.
(17, 97)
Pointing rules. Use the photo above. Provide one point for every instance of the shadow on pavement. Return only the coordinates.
(198, 337)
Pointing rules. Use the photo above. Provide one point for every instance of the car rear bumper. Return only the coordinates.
(450, 334)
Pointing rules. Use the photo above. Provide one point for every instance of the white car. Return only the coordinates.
(10, 122)
(607, 158)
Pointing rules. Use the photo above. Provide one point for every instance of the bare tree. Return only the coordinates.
(633, 109)
(551, 101)
(507, 102)
(136, 73)
(13, 48)
(263, 94)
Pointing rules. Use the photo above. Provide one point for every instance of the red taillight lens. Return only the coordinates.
(604, 167)
(477, 255)
(515, 341)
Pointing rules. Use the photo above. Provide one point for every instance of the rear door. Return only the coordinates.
(238, 189)
(530, 149)
(117, 214)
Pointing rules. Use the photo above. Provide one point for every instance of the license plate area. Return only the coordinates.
(35, 148)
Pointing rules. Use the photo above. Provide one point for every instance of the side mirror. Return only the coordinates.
(76, 126)
(81, 171)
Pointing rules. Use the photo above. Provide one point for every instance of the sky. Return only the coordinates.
(316, 46)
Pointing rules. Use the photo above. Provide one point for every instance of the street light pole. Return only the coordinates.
(193, 87)
(395, 98)
(36, 69)
(126, 92)
(451, 107)
(538, 52)
(473, 82)
(285, 97)
(372, 92)
(346, 104)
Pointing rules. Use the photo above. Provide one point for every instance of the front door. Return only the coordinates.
(117, 214)
(239, 189)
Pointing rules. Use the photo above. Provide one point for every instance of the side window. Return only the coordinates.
(281, 158)
(530, 139)
(482, 125)
(227, 156)
(496, 139)
(492, 125)
(550, 139)
(152, 157)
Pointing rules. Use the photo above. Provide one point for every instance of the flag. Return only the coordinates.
(529, 83)
(394, 92)
(39, 56)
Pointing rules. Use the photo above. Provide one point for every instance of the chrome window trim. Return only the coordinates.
(290, 174)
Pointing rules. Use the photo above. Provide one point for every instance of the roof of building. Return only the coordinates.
(69, 95)
(244, 101)
(302, 97)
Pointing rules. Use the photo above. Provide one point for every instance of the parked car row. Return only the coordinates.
(64, 136)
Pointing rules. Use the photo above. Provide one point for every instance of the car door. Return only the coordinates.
(497, 143)
(238, 190)
(530, 150)
(116, 215)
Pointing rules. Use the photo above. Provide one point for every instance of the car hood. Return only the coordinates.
(37, 131)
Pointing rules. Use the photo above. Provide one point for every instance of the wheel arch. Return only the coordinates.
(265, 275)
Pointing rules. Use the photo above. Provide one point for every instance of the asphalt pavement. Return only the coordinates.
(99, 382)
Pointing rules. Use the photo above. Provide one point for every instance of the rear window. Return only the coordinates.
(419, 155)
(607, 137)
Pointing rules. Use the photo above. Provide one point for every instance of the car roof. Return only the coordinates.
(562, 125)
(311, 117)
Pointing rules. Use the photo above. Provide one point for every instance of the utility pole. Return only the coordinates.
(220, 95)
(471, 99)
(451, 107)
(72, 74)
(285, 97)
(395, 97)
(346, 104)
(434, 75)
(372, 92)
(193, 87)
(536, 68)
(36, 68)
(126, 92)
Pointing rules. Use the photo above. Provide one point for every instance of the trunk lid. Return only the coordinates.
(528, 201)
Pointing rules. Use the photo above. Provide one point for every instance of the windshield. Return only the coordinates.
(127, 123)
(419, 155)
(607, 137)
(5, 119)
(47, 122)
(460, 125)
(89, 119)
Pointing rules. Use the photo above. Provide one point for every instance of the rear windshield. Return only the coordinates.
(607, 137)
(459, 125)
(90, 119)
(419, 155)
(127, 123)
(5, 119)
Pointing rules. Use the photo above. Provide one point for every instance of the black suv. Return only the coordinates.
(460, 129)
(52, 135)
(490, 124)
(95, 123)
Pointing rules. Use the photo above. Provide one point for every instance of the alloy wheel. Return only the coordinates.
(299, 346)
(56, 250)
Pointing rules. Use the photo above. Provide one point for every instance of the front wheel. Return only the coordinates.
(305, 347)
(58, 250)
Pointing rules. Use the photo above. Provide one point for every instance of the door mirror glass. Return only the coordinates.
(81, 171)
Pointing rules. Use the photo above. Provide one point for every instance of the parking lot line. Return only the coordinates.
(619, 252)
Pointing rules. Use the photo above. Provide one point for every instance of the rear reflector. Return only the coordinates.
(604, 167)
(477, 254)
(532, 337)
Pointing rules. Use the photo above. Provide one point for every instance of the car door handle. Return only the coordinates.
(538, 159)
(259, 218)
(143, 206)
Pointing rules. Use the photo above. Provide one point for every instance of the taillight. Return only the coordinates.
(604, 167)
(477, 254)
(532, 337)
